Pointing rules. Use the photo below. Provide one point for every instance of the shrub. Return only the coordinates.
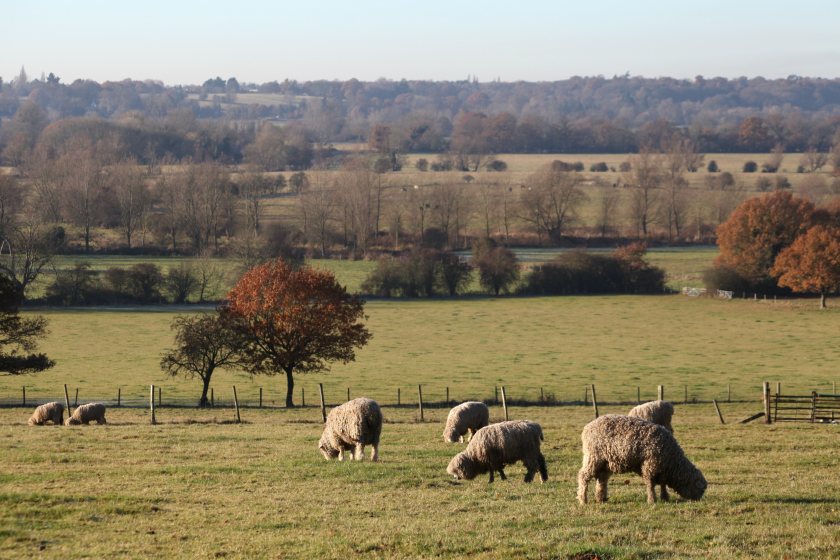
(422, 164)
(75, 286)
(768, 168)
(558, 165)
(418, 273)
(498, 269)
(144, 283)
(782, 182)
(180, 283)
(625, 166)
(712, 167)
(750, 167)
(599, 167)
(763, 184)
(496, 165)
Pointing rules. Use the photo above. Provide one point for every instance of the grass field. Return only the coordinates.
(471, 345)
(196, 487)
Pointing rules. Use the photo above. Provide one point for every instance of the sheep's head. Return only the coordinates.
(694, 487)
(326, 448)
(463, 467)
(450, 435)
(72, 421)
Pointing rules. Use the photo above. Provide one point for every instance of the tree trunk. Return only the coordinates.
(822, 301)
(290, 388)
(203, 402)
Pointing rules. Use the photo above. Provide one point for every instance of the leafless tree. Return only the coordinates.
(607, 208)
(319, 204)
(550, 200)
(813, 160)
(128, 183)
(645, 181)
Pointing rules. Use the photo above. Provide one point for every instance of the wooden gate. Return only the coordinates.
(810, 408)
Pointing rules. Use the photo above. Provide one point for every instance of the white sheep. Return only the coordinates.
(615, 444)
(658, 412)
(86, 413)
(49, 412)
(469, 417)
(351, 426)
(497, 445)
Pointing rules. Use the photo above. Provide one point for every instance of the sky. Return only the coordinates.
(187, 42)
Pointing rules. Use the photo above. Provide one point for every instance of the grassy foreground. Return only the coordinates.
(195, 487)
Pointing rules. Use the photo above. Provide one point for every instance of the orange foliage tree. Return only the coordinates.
(758, 230)
(294, 321)
(812, 263)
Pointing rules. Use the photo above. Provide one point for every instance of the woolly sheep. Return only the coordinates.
(351, 426)
(497, 445)
(614, 444)
(49, 412)
(85, 413)
(658, 412)
(466, 417)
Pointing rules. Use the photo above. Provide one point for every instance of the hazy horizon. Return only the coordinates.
(189, 42)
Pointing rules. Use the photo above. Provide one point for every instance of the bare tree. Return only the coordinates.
(813, 161)
(318, 208)
(551, 199)
(85, 183)
(25, 254)
(607, 208)
(252, 189)
(645, 180)
(133, 198)
(679, 159)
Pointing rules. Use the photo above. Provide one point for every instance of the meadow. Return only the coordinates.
(198, 486)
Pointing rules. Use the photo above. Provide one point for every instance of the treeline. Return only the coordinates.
(617, 115)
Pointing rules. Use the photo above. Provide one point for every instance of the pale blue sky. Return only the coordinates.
(183, 42)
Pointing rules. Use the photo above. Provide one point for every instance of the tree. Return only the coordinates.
(132, 196)
(758, 230)
(811, 264)
(294, 321)
(813, 160)
(497, 266)
(645, 180)
(18, 336)
(454, 272)
(181, 282)
(203, 343)
(551, 200)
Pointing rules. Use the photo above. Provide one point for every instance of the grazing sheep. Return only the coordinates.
(614, 444)
(466, 417)
(351, 426)
(49, 412)
(497, 445)
(658, 412)
(87, 412)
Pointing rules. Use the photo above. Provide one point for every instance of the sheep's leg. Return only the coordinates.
(663, 493)
(359, 452)
(502, 473)
(491, 475)
(543, 468)
(460, 439)
(651, 490)
(374, 455)
(532, 464)
(601, 483)
(584, 476)
(341, 454)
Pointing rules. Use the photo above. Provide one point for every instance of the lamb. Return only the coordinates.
(351, 426)
(466, 417)
(658, 412)
(615, 444)
(49, 412)
(87, 412)
(497, 445)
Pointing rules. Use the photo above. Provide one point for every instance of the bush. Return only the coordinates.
(750, 167)
(422, 164)
(599, 167)
(180, 283)
(625, 166)
(724, 278)
(76, 286)
(558, 165)
(419, 273)
(712, 167)
(768, 168)
(497, 267)
(782, 182)
(496, 165)
(763, 184)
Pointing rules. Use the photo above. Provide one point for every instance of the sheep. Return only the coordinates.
(87, 412)
(658, 412)
(466, 417)
(615, 444)
(351, 426)
(49, 412)
(494, 446)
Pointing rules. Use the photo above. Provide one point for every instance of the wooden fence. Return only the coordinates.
(815, 407)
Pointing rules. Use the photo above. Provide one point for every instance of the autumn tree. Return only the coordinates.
(18, 335)
(294, 321)
(758, 230)
(811, 264)
(203, 343)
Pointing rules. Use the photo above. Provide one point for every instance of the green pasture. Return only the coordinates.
(472, 345)
(198, 486)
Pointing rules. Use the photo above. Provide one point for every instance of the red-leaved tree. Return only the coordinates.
(294, 321)
(811, 264)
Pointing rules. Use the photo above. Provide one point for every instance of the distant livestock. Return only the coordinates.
(87, 413)
(49, 412)
(351, 426)
(658, 412)
(466, 417)
(497, 445)
(614, 444)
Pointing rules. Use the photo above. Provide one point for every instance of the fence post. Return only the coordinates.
(504, 402)
(398, 396)
(420, 399)
(685, 398)
(76, 399)
(261, 395)
(496, 393)
(302, 398)
(119, 396)
(594, 401)
(160, 396)
(67, 400)
(212, 398)
(323, 406)
(24, 395)
(728, 392)
(447, 396)
(542, 396)
(833, 387)
(152, 403)
(660, 392)
(236, 405)
(778, 387)
(348, 393)
(586, 395)
(714, 402)
(638, 395)
(765, 390)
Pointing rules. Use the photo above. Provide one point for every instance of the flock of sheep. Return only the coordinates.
(641, 442)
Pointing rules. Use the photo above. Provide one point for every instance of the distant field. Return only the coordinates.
(193, 488)
(471, 345)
